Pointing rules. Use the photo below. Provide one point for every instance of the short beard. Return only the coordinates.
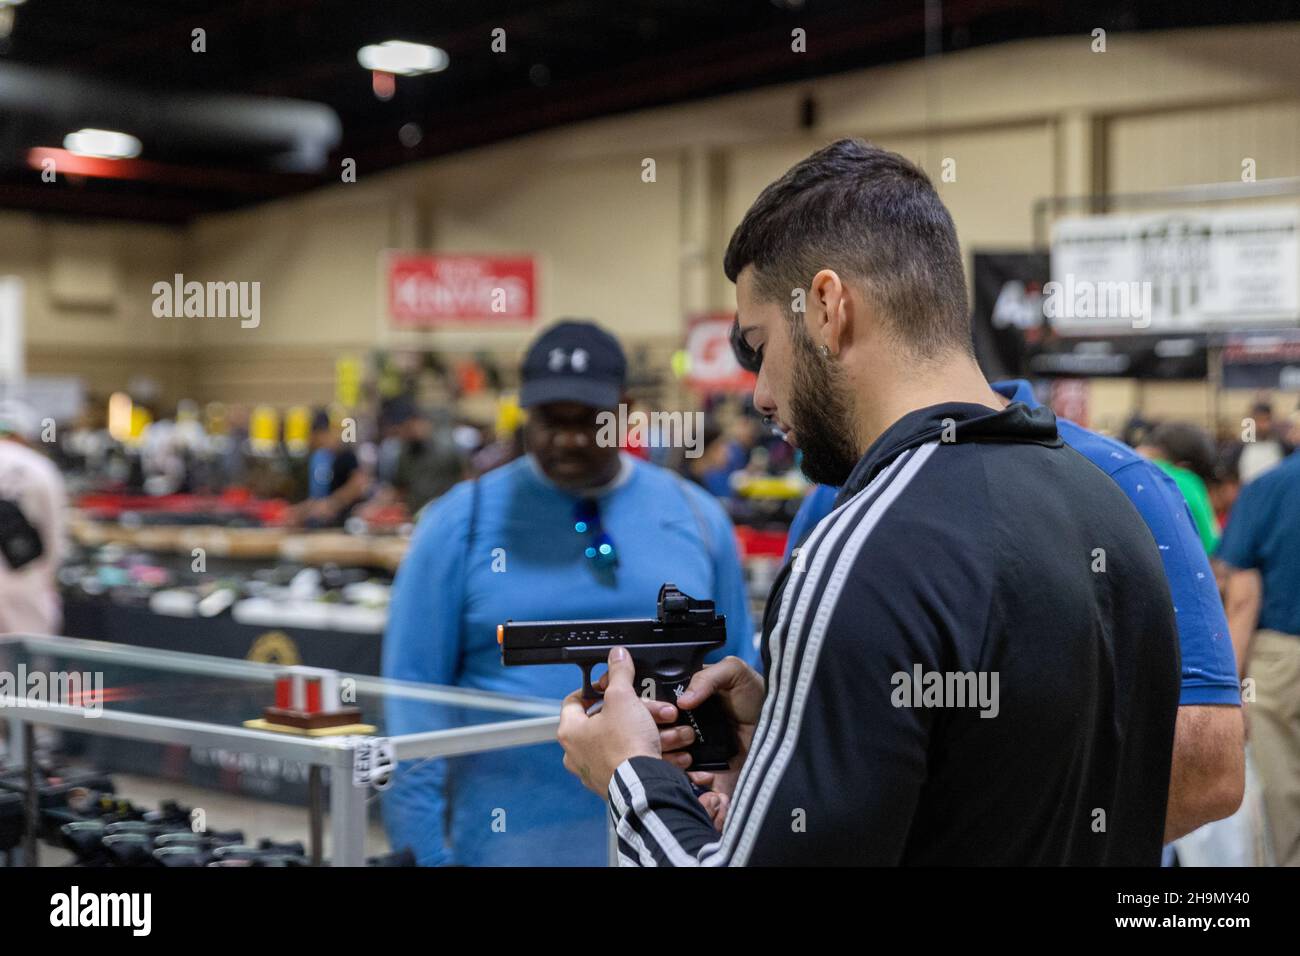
(820, 413)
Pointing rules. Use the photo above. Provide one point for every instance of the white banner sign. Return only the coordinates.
(1175, 272)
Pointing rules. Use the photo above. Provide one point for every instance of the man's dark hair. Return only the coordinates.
(1225, 466)
(870, 215)
(1186, 443)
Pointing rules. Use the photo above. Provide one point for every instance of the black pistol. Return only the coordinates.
(666, 651)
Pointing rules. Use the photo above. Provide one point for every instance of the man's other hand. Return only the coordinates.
(595, 744)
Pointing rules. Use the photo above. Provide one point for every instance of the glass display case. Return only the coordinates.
(196, 701)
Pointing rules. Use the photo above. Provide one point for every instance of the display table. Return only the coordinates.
(100, 619)
(197, 702)
(252, 544)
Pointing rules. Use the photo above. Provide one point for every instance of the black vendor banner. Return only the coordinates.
(1013, 338)
(1262, 360)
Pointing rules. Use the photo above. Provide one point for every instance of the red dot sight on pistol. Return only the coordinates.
(666, 651)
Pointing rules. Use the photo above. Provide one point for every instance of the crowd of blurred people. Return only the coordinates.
(1243, 494)
(334, 465)
(331, 465)
(1211, 469)
(1241, 489)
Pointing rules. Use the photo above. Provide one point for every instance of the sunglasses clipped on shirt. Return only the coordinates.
(600, 546)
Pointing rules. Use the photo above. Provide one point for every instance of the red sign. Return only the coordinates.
(427, 290)
(713, 366)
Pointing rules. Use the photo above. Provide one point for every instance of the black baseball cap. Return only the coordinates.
(574, 361)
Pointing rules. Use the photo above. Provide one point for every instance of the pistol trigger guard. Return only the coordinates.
(589, 692)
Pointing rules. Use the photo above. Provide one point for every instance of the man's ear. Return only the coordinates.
(833, 311)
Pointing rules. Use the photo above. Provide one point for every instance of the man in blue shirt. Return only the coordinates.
(574, 530)
(1207, 779)
(1262, 545)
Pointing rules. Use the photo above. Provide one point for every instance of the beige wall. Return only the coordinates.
(1020, 121)
(87, 300)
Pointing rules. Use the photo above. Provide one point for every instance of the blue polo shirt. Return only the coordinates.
(1209, 673)
(1263, 534)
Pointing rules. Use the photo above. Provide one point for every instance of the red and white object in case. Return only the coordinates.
(308, 690)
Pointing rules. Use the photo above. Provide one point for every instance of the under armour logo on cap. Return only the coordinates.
(574, 361)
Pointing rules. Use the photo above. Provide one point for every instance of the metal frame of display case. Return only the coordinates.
(347, 802)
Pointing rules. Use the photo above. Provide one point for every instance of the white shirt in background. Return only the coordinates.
(1258, 457)
(29, 597)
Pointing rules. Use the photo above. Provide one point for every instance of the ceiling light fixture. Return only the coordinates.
(102, 143)
(403, 58)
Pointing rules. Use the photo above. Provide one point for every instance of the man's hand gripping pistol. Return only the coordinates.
(666, 650)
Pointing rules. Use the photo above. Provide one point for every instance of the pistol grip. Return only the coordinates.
(716, 741)
(715, 738)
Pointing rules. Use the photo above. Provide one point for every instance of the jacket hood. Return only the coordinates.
(963, 422)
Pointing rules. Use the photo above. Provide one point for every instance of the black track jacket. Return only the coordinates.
(973, 660)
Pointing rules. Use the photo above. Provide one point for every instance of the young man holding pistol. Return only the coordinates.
(975, 660)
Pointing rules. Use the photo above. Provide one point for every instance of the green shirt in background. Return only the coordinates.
(1198, 502)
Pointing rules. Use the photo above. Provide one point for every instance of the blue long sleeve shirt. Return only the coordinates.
(525, 561)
